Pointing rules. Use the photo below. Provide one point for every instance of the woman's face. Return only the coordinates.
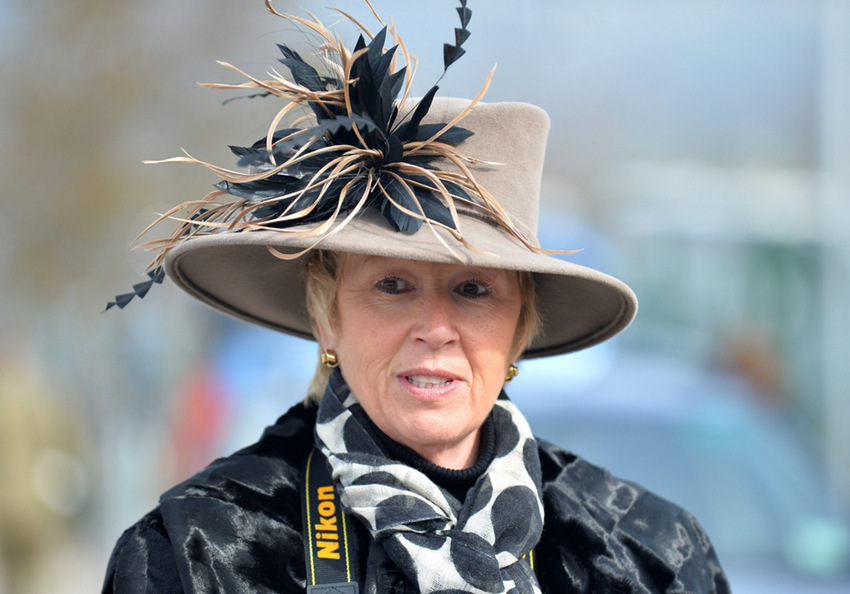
(425, 348)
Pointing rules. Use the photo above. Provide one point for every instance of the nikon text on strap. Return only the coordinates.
(329, 552)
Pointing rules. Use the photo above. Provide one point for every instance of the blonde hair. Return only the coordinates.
(322, 271)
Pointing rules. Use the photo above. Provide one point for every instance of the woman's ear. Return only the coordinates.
(326, 335)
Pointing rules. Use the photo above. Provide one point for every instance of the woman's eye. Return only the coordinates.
(392, 285)
(473, 289)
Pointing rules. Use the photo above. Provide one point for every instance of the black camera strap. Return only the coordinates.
(329, 550)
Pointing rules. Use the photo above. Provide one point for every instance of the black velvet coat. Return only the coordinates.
(236, 527)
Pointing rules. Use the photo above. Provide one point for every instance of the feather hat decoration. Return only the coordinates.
(362, 146)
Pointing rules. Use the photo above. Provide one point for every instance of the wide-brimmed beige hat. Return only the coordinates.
(579, 307)
(483, 170)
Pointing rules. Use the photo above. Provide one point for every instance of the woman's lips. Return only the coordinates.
(427, 384)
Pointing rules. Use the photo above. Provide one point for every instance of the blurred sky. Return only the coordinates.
(696, 151)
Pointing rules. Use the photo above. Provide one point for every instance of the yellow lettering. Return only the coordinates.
(328, 549)
(327, 508)
(326, 524)
(327, 535)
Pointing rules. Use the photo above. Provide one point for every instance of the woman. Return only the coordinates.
(400, 234)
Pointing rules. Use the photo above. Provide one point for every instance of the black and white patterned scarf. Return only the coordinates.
(439, 543)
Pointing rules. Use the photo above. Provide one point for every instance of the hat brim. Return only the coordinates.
(237, 273)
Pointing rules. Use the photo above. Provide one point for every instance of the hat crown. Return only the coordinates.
(509, 141)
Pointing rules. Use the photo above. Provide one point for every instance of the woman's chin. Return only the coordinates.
(429, 434)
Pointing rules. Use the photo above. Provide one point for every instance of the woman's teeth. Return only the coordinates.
(427, 382)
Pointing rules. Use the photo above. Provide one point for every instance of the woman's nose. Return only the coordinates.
(435, 321)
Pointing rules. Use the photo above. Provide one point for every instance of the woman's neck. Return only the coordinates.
(456, 481)
(457, 456)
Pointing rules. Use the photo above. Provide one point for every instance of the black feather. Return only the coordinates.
(454, 135)
(157, 275)
(409, 129)
(464, 13)
(451, 53)
(304, 74)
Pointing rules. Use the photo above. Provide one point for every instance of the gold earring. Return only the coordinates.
(513, 371)
(329, 359)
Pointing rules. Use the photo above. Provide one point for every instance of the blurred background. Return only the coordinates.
(699, 150)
